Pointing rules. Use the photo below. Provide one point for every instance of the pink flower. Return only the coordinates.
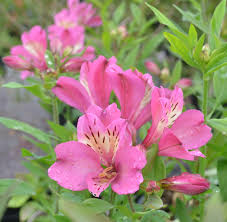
(70, 40)
(166, 106)
(94, 86)
(102, 156)
(31, 54)
(187, 134)
(67, 40)
(152, 67)
(133, 90)
(85, 13)
(64, 19)
(186, 183)
(184, 83)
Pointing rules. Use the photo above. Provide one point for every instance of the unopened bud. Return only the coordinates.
(165, 74)
(152, 67)
(152, 186)
(184, 83)
(205, 54)
(186, 183)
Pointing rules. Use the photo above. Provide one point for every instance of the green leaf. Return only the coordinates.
(216, 63)
(162, 18)
(17, 187)
(137, 13)
(79, 213)
(215, 209)
(35, 168)
(216, 22)
(35, 89)
(198, 49)
(62, 132)
(98, 205)
(130, 59)
(151, 45)
(192, 35)
(24, 127)
(18, 201)
(154, 202)
(28, 210)
(188, 16)
(176, 75)
(155, 167)
(119, 13)
(182, 212)
(13, 85)
(219, 84)
(219, 124)
(179, 46)
(156, 215)
(222, 177)
(50, 61)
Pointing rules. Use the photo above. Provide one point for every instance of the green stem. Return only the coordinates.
(56, 120)
(203, 161)
(130, 203)
(55, 110)
(205, 96)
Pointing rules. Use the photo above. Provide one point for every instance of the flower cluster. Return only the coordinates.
(107, 151)
(66, 38)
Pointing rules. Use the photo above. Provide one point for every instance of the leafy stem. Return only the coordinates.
(130, 203)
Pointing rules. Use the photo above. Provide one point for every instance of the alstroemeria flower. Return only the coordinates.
(68, 42)
(71, 40)
(166, 106)
(187, 134)
(102, 156)
(133, 90)
(29, 55)
(85, 13)
(94, 86)
(186, 183)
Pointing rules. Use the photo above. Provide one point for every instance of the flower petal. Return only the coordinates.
(72, 93)
(105, 115)
(95, 79)
(129, 162)
(169, 145)
(191, 130)
(75, 162)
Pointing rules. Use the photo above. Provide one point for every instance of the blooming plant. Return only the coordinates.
(136, 138)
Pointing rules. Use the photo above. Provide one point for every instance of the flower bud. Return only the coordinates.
(205, 54)
(152, 186)
(186, 183)
(184, 83)
(152, 67)
(122, 31)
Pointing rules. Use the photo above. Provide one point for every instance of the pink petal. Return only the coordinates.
(169, 145)
(95, 78)
(129, 162)
(103, 140)
(26, 74)
(16, 62)
(95, 186)
(107, 115)
(75, 162)
(72, 93)
(190, 129)
(95, 21)
(127, 85)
